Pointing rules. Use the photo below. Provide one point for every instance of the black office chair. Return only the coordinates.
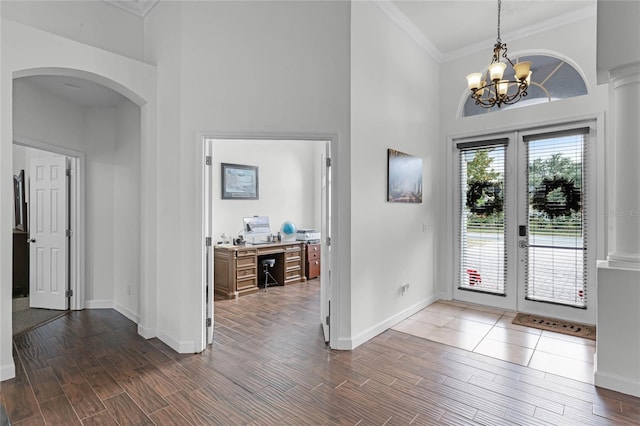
(266, 264)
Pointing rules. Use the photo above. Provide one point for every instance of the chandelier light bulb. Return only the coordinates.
(503, 87)
(522, 70)
(474, 79)
(496, 70)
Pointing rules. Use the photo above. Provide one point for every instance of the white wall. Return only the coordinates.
(126, 210)
(393, 105)
(288, 185)
(98, 134)
(575, 42)
(246, 67)
(96, 23)
(617, 26)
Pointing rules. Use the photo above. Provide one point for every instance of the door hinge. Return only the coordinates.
(328, 162)
(208, 160)
(68, 293)
(326, 320)
(68, 172)
(328, 241)
(69, 233)
(208, 323)
(207, 242)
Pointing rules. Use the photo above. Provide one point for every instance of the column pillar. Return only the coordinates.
(625, 84)
(618, 338)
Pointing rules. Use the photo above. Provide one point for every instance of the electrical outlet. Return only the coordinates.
(405, 288)
(424, 227)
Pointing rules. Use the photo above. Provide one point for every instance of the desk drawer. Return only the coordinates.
(247, 252)
(314, 255)
(247, 284)
(246, 262)
(245, 273)
(313, 269)
(292, 275)
(291, 256)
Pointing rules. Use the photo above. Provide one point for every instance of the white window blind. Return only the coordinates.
(483, 255)
(557, 218)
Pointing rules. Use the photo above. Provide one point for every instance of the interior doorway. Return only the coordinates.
(46, 233)
(294, 186)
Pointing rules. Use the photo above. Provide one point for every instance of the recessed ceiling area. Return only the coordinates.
(76, 90)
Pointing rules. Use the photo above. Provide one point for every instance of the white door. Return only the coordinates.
(325, 232)
(556, 255)
(525, 208)
(48, 205)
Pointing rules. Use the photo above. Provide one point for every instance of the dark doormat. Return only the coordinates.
(559, 326)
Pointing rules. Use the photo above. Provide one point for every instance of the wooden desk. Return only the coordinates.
(237, 269)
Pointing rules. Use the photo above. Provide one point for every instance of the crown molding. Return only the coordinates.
(401, 20)
(137, 7)
(547, 25)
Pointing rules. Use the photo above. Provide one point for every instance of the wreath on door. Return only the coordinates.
(484, 197)
(569, 202)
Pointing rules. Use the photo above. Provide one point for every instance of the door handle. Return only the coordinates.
(31, 240)
(523, 244)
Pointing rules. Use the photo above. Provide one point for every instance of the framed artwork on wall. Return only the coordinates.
(404, 177)
(239, 182)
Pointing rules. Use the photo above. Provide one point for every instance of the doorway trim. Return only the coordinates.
(207, 268)
(76, 216)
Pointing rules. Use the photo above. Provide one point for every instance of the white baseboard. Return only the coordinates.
(388, 323)
(182, 347)
(8, 371)
(127, 313)
(146, 332)
(98, 304)
(618, 384)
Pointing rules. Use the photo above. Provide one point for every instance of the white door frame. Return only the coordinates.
(205, 141)
(76, 216)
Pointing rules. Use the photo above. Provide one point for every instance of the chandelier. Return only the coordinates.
(494, 90)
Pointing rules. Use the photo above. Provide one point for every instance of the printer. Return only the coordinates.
(309, 236)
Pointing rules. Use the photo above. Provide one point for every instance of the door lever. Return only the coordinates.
(31, 240)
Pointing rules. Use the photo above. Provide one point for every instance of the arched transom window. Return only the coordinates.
(552, 79)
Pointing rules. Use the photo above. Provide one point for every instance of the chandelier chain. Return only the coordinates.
(499, 9)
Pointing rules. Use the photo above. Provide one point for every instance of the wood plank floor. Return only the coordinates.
(269, 366)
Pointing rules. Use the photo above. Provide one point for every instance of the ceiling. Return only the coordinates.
(446, 29)
(456, 28)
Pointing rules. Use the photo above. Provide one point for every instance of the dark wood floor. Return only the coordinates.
(269, 366)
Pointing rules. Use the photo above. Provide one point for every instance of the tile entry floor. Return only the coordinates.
(488, 331)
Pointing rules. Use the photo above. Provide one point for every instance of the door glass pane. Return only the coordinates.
(556, 255)
(482, 219)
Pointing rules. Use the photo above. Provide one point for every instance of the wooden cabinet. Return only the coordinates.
(237, 269)
(312, 261)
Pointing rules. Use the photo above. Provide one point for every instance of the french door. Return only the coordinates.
(524, 231)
